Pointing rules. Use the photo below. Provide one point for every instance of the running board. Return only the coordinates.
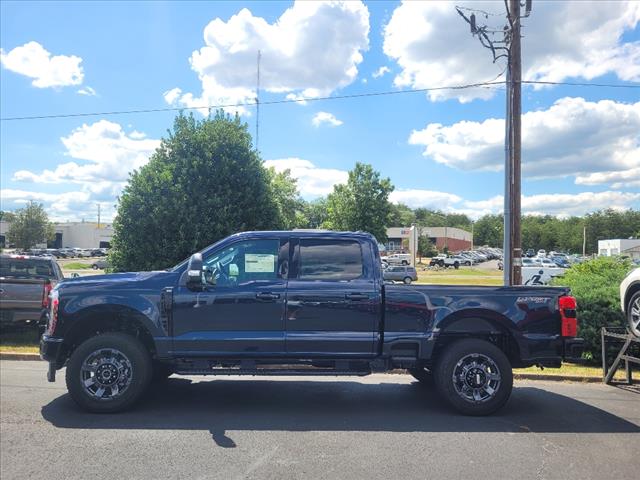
(274, 372)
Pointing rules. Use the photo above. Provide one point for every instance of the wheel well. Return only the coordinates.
(498, 336)
(94, 323)
(633, 288)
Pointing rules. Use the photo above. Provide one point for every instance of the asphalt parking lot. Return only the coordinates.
(381, 426)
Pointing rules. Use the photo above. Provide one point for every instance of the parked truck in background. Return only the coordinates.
(298, 303)
(25, 284)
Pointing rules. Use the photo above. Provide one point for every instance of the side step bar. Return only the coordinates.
(273, 372)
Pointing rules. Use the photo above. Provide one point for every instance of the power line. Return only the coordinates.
(492, 84)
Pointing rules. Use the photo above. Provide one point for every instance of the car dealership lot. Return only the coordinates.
(380, 426)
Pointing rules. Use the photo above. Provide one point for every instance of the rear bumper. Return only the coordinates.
(573, 348)
(51, 350)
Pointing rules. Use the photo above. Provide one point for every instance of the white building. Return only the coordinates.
(73, 234)
(628, 247)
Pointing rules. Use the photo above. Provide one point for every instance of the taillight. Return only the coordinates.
(45, 295)
(53, 314)
(568, 316)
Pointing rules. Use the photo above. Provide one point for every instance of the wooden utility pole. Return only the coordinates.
(514, 93)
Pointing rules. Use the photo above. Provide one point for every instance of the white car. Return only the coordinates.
(542, 253)
(630, 300)
(398, 259)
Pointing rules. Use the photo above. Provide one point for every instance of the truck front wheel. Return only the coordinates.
(474, 376)
(108, 373)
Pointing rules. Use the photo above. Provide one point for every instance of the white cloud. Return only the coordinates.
(327, 118)
(298, 98)
(572, 137)
(560, 204)
(380, 72)
(621, 179)
(68, 206)
(312, 181)
(88, 91)
(105, 156)
(416, 198)
(46, 70)
(314, 48)
(111, 154)
(433, 47)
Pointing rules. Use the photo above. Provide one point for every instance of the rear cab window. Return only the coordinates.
(330, 259)
(16, 267)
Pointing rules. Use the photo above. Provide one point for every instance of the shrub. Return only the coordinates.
(595, 284)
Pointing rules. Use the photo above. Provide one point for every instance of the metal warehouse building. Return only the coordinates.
(73, 234)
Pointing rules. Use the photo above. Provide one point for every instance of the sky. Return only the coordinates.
(442, 149)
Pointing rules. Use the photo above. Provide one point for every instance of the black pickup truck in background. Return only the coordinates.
(25, 283)
(298, 303)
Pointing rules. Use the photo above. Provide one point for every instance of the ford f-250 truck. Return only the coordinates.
(297, 303)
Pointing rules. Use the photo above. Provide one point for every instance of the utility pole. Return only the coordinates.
(584, 240)
(510, 44)
(515, 70)
(258, 103)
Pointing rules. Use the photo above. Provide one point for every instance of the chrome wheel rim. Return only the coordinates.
(106, 374)
(634, 316)
(476, 378)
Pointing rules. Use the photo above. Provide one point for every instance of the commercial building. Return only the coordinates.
(627, 247)
(405, 238)
(73, 234)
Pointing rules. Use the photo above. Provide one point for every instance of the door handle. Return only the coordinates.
(356, 296)
(267, 296)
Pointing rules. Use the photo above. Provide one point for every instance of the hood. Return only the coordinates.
(118, 279)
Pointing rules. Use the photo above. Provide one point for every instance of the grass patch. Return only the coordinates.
(76, 266)
(25, 341)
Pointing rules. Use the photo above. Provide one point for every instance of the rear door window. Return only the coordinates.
(325, 259)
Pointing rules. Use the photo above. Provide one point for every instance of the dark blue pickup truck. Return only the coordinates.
(298, 303)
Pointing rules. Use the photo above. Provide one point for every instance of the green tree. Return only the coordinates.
(313, 214)
(204, 182)
(401, 215)
(29, 226)
(361, 204)
(488, 231)
(287, 201)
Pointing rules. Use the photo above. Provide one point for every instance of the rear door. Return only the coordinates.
(333, 298)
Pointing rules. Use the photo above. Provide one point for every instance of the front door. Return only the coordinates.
(333, 303)
(243, 313)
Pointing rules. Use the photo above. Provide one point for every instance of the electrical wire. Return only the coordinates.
(494, 84)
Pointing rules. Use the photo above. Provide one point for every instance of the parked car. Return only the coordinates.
(99, 265)
(630, 300)
(98, 252)
(25, 283)
(400, 274)
(530, 253)
(560, 261)
(310, 303)
(541, 253)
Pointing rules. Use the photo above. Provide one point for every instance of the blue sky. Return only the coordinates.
(581, 145)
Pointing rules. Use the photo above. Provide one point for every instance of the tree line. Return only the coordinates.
(206, 181)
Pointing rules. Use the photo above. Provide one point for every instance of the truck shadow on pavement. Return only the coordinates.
(221, 406)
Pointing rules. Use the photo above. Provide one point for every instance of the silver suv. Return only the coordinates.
(400, 274)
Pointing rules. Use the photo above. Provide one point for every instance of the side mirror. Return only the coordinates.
(195, 270)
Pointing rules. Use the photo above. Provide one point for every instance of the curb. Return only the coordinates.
(19, 356)
(556, 378)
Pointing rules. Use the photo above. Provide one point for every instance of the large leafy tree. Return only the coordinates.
(361, 204)
(287, 201)
(204, 182)
(29, 226)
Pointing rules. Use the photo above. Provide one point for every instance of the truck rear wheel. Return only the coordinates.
(108, 373)
(474, 376)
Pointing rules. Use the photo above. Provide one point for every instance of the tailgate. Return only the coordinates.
(21, 293)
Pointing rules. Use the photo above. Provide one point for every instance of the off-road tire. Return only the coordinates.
(141, 372)
(449, 361)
